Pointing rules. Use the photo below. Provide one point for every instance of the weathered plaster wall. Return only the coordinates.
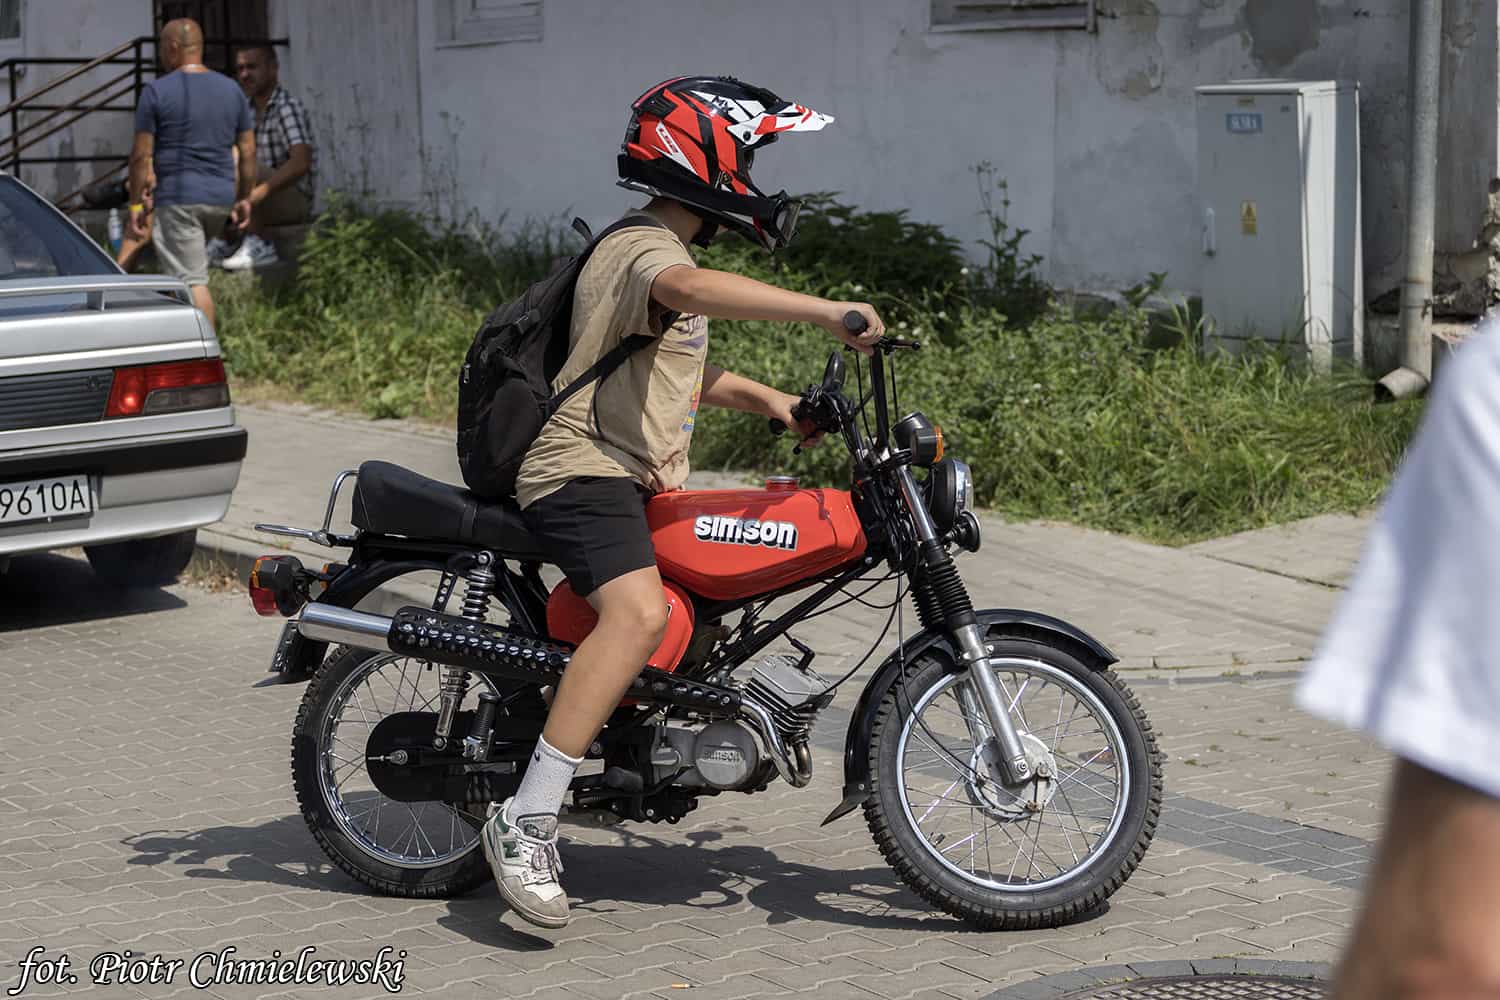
(1125, 121)
(532, 128)
(354, 64)
(1095, 132)
(75, 29)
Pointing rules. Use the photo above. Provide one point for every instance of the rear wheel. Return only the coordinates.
(412, 849)
(143, 562)
(1036, 855)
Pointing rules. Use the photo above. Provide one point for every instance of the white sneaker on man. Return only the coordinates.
(253, 252)
(217, 249)
(522, 853)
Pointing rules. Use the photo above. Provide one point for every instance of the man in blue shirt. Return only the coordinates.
(188, 127)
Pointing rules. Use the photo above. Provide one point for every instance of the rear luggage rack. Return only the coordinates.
(321, 536)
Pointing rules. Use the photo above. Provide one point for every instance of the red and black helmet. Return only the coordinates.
(693, 139)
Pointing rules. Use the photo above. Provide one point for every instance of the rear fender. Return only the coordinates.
(997, 623)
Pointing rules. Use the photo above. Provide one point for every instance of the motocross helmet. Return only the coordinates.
(694, 139)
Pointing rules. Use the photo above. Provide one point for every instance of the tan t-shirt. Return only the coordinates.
(638, 421)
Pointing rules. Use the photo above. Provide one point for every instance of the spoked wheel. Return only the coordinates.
(414, 849)
(1033, 855)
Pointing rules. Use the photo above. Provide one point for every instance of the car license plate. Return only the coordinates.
(45, 499)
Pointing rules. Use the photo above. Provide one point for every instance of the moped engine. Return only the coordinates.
(784, 696)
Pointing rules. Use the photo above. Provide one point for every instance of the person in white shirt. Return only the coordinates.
(1412, 658)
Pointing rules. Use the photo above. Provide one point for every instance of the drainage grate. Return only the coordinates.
(1208, 988)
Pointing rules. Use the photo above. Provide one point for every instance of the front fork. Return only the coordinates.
(1000, 746)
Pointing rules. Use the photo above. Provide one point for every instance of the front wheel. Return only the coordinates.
(1011, 858)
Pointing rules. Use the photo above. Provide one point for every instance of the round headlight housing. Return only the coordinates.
(950, 492)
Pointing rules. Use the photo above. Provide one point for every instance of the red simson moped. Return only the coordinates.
(1005, 771)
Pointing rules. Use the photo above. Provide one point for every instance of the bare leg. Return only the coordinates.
(1430, 927)
(632, 620)
(203, 300)
(131, 248)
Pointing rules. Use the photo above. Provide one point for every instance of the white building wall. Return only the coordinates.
(1094, 132)
(74, 29)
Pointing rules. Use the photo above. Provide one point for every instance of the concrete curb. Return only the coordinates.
(1061, 984)
(237, 555)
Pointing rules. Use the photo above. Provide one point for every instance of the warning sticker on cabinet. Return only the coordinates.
(1249, 224)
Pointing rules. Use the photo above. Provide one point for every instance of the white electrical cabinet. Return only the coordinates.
(1278, 174)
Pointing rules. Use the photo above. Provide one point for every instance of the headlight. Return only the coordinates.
(950, 492)
(965, 489)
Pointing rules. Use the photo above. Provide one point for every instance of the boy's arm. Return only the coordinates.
(736, 392)
(721, 295)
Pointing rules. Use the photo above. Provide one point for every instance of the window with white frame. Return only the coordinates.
(1012, 15)
(10, 20)
(488, 22)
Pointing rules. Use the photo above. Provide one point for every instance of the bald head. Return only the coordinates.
(181, 42)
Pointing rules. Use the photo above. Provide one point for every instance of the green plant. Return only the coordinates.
(1010, 281)
(1080, 419)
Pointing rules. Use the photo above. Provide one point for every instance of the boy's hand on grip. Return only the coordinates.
(779, 408)
(862, 341)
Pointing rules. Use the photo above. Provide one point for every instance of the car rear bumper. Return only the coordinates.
(142, 488)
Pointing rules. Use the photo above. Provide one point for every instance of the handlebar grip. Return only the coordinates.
(855, 322)
(778, 427)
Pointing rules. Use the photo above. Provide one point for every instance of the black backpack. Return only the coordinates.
(505, 386)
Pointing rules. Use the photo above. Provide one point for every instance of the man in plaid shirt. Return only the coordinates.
(286, 160)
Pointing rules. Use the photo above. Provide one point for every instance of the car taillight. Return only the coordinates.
(167, 388)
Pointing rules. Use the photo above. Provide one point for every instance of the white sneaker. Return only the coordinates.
(217, 248)
(523, 855)
(253, 252)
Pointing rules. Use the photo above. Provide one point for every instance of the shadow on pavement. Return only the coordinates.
(643, 871)
(53, 589)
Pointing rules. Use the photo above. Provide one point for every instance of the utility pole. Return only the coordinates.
(1425, 64)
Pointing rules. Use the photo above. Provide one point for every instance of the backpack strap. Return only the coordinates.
(616, 356)
(600, 369)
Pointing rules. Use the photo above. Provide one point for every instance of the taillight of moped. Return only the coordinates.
(277, 586)
(146, 390)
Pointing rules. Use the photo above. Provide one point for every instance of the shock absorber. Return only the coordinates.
(479, 585)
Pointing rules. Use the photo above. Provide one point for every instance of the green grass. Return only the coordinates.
(1061, 417)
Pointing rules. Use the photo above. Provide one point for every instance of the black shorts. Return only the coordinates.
(594, 529)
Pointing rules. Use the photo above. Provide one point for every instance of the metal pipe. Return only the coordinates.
(760, 717)
(325, 623)
(1424, 75)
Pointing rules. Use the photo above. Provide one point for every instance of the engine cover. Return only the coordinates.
(721, 755)
(726, 755)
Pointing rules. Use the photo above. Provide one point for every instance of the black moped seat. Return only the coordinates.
(391, 500)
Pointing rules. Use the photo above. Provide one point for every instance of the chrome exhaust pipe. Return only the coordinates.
(326, 623)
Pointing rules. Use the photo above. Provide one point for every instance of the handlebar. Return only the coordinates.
(855, 323)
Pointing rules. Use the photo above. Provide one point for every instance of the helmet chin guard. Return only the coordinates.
(693, 139)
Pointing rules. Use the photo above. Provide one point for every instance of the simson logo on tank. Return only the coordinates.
(746, 531)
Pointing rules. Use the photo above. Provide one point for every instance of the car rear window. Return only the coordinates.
(36, 242)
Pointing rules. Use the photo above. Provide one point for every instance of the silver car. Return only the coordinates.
(116, 432)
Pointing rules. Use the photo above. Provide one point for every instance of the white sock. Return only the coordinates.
(545, 783)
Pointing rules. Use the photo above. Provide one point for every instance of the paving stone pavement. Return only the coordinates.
(145, 799)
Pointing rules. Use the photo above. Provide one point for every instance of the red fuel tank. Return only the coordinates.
(729, 544)
(570, 618)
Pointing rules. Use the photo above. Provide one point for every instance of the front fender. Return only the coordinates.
(996, 622)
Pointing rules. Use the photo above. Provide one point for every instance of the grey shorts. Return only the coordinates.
(179, 235)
